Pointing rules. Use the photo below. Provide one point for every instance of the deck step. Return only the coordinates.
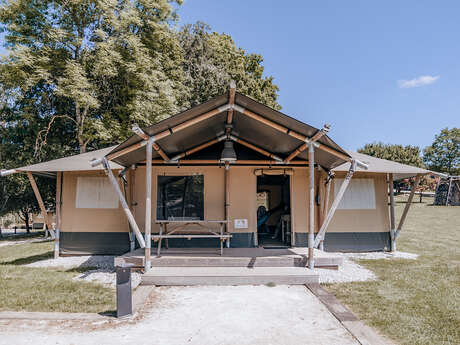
(183, 276)
(233, 257)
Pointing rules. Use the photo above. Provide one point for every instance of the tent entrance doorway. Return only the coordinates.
(273, 211)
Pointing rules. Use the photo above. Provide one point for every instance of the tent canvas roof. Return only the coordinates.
(79, 162)
(378, 165)
(244, 127)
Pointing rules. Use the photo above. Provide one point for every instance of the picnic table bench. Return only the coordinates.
(180, 231)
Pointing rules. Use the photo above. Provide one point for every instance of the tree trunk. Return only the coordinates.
(26, 220)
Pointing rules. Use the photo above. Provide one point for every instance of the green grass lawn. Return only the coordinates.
(414, 302)
(46, 289)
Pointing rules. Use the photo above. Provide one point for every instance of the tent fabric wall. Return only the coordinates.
(90, 230)
(105, 231)
(361, 229)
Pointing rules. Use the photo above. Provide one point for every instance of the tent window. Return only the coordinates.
(360, 194)
(180, 197)
(95, 192)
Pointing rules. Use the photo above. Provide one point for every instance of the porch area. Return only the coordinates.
(237, 266)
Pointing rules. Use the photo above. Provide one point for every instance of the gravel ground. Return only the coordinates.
(352, 271)
(210, 315)
(103, 272)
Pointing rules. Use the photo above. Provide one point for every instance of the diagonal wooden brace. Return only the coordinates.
(41, 204)
(124, 204)
(335, 204)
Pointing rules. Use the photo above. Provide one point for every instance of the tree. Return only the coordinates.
(99, 65)
(19, 128)
(408, 154)
(444, 154)
(211, 60)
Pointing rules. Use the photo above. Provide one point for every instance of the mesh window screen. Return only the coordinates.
(180, 198)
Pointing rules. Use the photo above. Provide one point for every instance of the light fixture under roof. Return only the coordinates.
(228, 153)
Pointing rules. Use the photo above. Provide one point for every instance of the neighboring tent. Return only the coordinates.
(377, 165)
(448, 191)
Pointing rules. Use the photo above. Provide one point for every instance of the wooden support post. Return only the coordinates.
(311, 223)
(148, 204)
(392, 212)
(227, 199)
(40, 203)
(131, 185)
(322, 198)
(123, 202)
(408, 204)
(448, 190)
(335, 204)
(58, 213)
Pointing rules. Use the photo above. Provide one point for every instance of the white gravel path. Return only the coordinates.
(210, 315)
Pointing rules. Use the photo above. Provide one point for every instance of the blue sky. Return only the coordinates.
(344, 62)
(376, 71)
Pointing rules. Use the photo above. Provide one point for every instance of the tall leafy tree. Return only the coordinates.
(100, 64)
(408, 154)
(444, 154)
(212, 60)
(17, 140)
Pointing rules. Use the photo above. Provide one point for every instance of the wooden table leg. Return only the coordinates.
(282, 230)
(221, 239)
(166, 239)
(159, 240)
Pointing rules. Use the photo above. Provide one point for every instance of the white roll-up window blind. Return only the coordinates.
(95, 192)
(360, 194)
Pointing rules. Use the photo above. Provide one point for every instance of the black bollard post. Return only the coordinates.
(124, 295)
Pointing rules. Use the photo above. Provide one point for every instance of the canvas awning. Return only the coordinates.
(264, 133)
(80, 162)
(377, 165)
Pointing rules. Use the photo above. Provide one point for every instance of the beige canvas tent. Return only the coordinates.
(229, 172)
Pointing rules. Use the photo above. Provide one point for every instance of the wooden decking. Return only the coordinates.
(232, 257)
(237, 266)
(229, 276)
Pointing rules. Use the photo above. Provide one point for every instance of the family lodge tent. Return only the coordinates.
(229, 172)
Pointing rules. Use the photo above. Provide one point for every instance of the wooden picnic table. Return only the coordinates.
(203, 231)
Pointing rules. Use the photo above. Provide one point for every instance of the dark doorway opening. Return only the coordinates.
(273, 211)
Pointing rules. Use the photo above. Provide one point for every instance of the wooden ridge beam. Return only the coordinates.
(255, 148)
(218, 162)
(292, 133)
(165, 133)
(158, 149)
(296, 152)
(313, 139)
(197, 148)
(231, 101)
(136, 129)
